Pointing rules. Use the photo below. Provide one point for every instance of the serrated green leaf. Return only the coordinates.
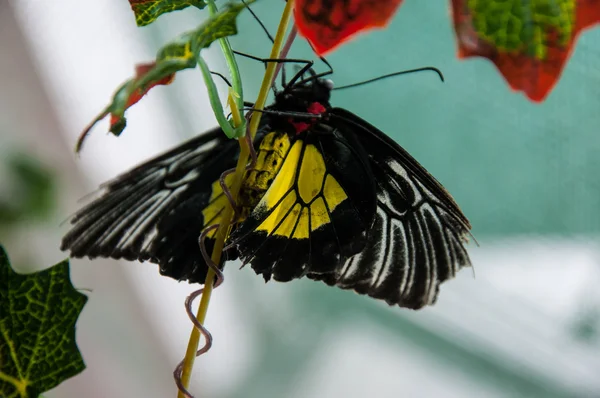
(221, 25)
(176, 56)
(147, 11)
(38, 313)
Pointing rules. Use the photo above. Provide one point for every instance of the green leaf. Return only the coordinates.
(528, 41)
(176, 56)
(38, 313)
(147, 11)
(31, 191)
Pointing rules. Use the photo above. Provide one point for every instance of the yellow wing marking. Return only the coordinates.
(285, 178)
(287, 226)
(306, 205)
(301, 231)
(217, 202)
(334, 194)
(318, 214)
(271, 223)
(312, 172)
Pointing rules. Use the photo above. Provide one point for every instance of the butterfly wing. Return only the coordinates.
(417, 239)
(156, 211)
(315, 213)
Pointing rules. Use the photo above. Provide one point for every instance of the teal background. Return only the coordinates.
(512, 165)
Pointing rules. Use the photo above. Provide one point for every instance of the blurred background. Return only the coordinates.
(525, 323)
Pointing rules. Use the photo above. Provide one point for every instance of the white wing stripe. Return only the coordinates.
(405, 264)
(383, 264)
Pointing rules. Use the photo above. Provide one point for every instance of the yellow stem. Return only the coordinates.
(224, 228)
(270, 72)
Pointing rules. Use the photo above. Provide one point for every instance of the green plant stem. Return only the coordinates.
(234, 70)
(271, 67)
(220, 237)
(215, 102)
(238, 176)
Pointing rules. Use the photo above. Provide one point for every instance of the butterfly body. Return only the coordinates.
(269, 158)
(330, 197)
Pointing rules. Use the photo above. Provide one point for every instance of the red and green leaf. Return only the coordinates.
(174, 57)
(141, 72)
(147, 11)
(147, 76)
(528, 41)
(328, 23)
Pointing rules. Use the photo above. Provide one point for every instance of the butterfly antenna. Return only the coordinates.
(262, 25)
(324, 61)
(315, 76)
(330, 71)
(222, 77)
(277, 60)
(298, 115)
(300, 73)
(404, 72)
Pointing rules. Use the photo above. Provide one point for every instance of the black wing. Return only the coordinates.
(317, 211)
(156, 211)
(417, 240)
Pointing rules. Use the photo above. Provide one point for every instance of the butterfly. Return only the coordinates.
(330, 198)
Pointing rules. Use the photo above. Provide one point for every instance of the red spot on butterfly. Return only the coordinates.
(314, 108)
(328, 23)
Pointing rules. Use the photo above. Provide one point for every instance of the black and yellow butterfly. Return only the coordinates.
(331, 198)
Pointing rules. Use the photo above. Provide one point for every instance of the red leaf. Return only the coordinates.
(136, 95)
(529, 43)
(328, 23)
(146, 77)
(141, 71)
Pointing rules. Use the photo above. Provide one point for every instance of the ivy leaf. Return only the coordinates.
(174, 57)
(147, 11)
(38, 313)
(528, 41)
(327, 24)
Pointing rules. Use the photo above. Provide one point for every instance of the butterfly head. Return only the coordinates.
(301, 100)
